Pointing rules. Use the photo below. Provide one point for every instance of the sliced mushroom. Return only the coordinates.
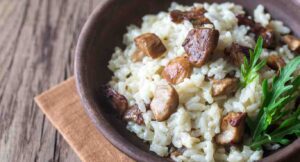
(267, 33)
(116, 100)
(200, 45)
(134, 114)
(232, 128)
(150, 44)
(292, 42)
(177, 69)
(137, 56)
(275, 62)
(164, 102)
(226, 86)
(237, 53)
(195, 16)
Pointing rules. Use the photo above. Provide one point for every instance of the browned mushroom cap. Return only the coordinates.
(232, 128)
(150, 44)
(267, 33)
(292, 42)
(134, 114)
(237, 53)
(116, 100)
(177, 69)
(275, 62)
(195, 16)
(226, 86)
(165, 102)
(200, 44)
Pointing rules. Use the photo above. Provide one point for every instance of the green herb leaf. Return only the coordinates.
(250, 68)
(284, 89)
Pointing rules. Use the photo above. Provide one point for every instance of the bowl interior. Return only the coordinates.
(104, 31)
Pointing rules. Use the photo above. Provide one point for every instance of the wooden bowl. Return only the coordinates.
(104, 30)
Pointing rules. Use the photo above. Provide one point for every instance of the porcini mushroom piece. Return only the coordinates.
(115, 99)
(237, 53)
(268, 36)
(134, 114)
(164, 102)
(292, 42)
(232, 128)
(267, 33)
(137, 56)
(200, 44)
(275, 62)
(177, 69)
(226, 86)
(150, 44)
(195, 16)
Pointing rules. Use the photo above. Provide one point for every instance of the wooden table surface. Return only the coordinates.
(37, 42)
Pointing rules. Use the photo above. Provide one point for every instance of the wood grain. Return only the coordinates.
(37, 42)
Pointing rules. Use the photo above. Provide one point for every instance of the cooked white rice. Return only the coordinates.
(195, 123)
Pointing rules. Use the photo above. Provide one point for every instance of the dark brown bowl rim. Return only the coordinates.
(97, 118)
(83, 42)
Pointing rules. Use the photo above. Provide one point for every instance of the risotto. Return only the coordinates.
(179, 101)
